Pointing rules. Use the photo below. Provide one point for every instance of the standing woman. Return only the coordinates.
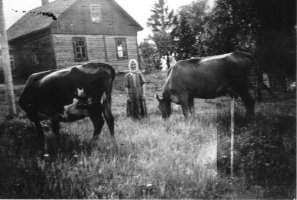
(135, 88)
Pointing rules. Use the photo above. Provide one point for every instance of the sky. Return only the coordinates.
(140, 10)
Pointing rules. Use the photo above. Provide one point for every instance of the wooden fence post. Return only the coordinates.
(232, 136)
(6, 64)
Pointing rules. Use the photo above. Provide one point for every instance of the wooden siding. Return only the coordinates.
(121, 65)
(77, 20)
(23, 50)
(96, 50)
(65, 53)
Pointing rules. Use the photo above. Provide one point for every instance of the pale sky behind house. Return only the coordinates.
(140, 10)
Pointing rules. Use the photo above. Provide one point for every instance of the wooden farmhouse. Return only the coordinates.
(70, 32)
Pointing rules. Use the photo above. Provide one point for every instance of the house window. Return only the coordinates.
(12, 63)
(80, 49)
(121, 48)
(35, 55)
(95, 13)
(35, 59)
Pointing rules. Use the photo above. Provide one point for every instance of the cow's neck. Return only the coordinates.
(166, 96)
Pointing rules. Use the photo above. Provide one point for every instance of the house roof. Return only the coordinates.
(127, 14)
(35, 20)
(42, 17)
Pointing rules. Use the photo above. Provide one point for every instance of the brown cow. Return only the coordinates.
(208, 78)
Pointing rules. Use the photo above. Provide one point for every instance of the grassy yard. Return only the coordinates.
(157, 159)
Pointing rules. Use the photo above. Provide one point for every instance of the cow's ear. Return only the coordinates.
(157, 97)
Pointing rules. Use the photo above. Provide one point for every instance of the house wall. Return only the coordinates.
(121, 65)
(55, 45)
(77, 20)
(23, 49)
(63, 46)
(97, 49)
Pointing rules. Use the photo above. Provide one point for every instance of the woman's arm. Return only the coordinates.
(126, 84)
(143, 90)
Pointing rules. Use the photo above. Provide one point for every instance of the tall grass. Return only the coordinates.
(157, 159)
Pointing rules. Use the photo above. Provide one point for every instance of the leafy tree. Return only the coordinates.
(196, 14)
(160, 21)
(264, 28)
(184, 37)
(276, 36)
(163, 42)
(227, 29)
(149, 56)
(161, 18)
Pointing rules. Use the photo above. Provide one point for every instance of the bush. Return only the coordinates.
(149, 56)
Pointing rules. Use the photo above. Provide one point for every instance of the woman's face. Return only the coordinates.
(133, 66)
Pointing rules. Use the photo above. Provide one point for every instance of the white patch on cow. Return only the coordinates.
(80, 92)
(103, 98)
(215, 57)
(72, 110)
(67, 107)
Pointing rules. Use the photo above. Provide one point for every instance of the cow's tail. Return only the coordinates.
(106, 97)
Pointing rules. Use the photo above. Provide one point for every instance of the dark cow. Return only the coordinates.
(70, 94)
(208, 78)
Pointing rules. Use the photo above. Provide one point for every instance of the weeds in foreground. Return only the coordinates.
(173, 159)
(157, 159)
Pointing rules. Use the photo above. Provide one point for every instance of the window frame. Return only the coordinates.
(95, 13)
(35, 55)
(80, 47)
(124, 48)
(12, 62)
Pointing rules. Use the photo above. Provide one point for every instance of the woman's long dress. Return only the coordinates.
(136, 107)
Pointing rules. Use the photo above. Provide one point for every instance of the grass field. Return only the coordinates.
(157, 159)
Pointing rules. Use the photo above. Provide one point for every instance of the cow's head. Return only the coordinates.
(79, 107)
(164, 106)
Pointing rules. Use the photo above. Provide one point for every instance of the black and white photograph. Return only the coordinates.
(148, 99)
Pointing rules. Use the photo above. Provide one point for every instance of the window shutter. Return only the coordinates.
(74, 48)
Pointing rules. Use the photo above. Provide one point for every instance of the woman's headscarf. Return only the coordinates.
(136, 63)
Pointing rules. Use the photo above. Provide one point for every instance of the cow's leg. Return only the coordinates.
(39, 129)
(55, 126)
(184, 102)
(110, 122)
(191, 106)
(248, 101)
(98, 122)
(40, 133)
